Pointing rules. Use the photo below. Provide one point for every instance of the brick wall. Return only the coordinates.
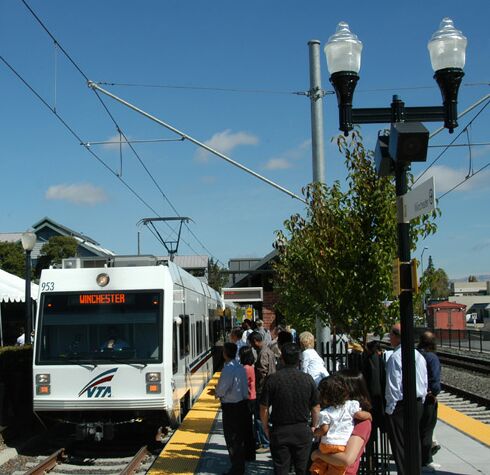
(268, 314)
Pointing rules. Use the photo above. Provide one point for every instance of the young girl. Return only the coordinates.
(336, 422)
(247, 360)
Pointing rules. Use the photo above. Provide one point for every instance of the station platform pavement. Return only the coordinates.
(198, 446)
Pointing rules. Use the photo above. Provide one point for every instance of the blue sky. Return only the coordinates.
(198, 47)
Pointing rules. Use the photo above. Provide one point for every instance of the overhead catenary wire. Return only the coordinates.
(261, 91)
(77, 136)
(468, 177)
(472, 144)
(206, 147)
(451, 143)
(78, 68)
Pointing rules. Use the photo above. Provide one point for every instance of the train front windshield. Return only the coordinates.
(99, 327)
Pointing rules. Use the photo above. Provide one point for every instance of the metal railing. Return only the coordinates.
(466, 340)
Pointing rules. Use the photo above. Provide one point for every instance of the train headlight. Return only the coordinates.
(155, 377)
(43, 384)
(102, 280)
(43, 378)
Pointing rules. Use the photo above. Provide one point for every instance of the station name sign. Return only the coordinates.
(419, 201)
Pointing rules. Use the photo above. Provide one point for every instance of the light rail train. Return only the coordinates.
(127, 340)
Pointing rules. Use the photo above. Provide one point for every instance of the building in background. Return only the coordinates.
(255, 272)
(47, 228)
(476, 297)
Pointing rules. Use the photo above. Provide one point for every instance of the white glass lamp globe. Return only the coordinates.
(28, 240)
(343, 50)
(447, 47)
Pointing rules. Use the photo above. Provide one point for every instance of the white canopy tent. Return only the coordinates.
(13, 289)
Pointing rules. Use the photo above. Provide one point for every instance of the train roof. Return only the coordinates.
(177, 273)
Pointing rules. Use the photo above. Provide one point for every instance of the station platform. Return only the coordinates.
(198, 446)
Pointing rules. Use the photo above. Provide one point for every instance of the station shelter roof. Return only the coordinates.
(13, 288)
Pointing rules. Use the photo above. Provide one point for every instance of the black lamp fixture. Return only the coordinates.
(343, 52)
(447, 49)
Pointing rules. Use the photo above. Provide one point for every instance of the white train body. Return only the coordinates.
(163, 324)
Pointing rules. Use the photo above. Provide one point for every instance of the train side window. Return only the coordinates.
(199, 337)
(175, 350)
(193, 337)
(184, 336)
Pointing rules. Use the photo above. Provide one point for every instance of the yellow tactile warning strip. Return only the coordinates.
(184, 450)
(475, 429)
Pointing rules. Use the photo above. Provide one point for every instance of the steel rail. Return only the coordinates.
(464, 362)
(134, 465)
(471, 397)
(48, 463)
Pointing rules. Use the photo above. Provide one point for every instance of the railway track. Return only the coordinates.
(63, 463)
(470, 404)
(464, 362)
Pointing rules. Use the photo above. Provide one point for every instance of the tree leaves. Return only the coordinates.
(336, 261)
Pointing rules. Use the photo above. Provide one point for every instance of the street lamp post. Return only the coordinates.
(447, 49)
(28, 243)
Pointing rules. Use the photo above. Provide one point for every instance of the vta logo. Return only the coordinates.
(95, 387)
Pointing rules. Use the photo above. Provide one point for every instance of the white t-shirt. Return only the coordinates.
(341, 422)
(312, 364)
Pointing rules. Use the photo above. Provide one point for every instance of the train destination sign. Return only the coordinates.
(243, 294)
(419, 201)
(98, 299)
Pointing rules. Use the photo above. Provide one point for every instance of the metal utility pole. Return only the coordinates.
(316, 95)
(317, 146)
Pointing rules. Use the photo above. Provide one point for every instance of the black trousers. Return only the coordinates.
(236, 427)
(290, 445)
(427, 424)
(397, 437)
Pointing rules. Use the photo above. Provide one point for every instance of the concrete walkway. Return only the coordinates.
(459, 454)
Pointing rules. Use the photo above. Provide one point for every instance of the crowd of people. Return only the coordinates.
(277, 395)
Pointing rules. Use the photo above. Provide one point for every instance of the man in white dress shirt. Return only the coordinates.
(232, 390)
(394, 395)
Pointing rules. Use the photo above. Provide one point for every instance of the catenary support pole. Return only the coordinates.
(317, 145)
(316, 95)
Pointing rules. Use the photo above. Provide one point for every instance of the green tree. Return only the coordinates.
(216, 277)
(434, 283)
(336, 262)
(56, 249)
(472, 278)
(12, 258)
(437, 281)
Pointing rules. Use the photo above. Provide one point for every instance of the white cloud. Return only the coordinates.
(225, 142)
(115, 146)
(80, 194)
(209, 179)
(277, 164)
(286, 158)
(446, 178)
(482, 151)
